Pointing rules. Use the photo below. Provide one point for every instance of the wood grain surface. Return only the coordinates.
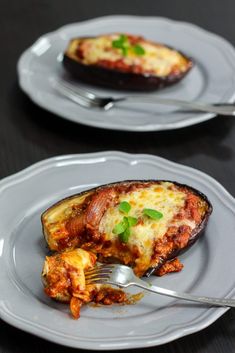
(29, 134)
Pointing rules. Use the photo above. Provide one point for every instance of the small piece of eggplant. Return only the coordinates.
(116, 77)
(87, 220)
(63, 274)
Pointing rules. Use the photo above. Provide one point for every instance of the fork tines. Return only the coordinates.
(99, 274)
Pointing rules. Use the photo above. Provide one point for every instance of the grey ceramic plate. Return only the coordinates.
(152, 321)
(205, 82)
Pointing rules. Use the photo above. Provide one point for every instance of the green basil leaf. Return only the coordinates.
(120, 227)
(154, 214)
(124, 237)
(138, 49)
(117, 44)
(125, 221)
(120, 42)
(132, 221)
(123, 38)
(124, 51)
(124, 207)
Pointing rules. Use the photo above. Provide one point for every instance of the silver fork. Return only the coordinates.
(123, 276)
(89, 99)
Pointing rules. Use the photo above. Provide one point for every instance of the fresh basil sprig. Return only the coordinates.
(123, 44)
(123, 229)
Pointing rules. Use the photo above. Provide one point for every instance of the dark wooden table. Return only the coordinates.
(29, 134)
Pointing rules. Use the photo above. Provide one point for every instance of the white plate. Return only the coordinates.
(152, 321)
(211, 80)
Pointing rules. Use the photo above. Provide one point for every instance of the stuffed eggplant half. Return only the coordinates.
(125, 61)
(142, 224)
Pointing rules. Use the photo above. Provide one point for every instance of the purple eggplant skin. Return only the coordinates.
(115, 79)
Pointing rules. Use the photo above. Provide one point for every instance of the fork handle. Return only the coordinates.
(220, 108)
(186, 296)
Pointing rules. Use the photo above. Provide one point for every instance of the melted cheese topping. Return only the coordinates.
(157, 59)
(162, 198)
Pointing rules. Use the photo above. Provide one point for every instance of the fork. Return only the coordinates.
(89, 99)
(123, 276)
